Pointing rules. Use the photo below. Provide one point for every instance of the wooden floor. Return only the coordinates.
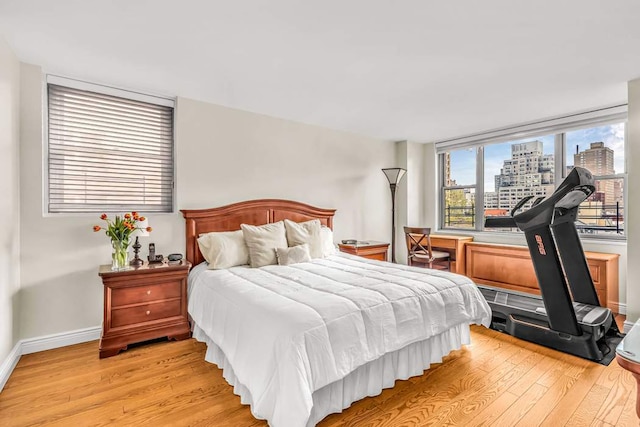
(495, 381)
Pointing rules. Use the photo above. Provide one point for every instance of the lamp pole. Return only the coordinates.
(394, 175)
(393, 223)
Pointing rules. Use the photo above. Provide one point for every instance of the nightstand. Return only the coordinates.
(143, 303)
(367, 249)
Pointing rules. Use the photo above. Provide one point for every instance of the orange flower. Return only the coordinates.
(123, 226)
(149, 229)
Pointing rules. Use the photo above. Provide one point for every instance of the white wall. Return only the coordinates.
(9, 198)
(431, 191)
(226, 155)
(223, 156)
(633, 201)
(410, 200)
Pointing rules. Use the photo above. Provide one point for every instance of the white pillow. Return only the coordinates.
(326, 236)
(262, 241)
(299, 233)
(224, 249)
(293, 255)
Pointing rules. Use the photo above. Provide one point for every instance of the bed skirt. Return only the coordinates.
(367, 380)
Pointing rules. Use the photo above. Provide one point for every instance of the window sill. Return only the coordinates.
(518, 238)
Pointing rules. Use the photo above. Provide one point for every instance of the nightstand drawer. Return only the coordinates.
(378, 256)
(138, 294)
(144, 313)
(368, 249)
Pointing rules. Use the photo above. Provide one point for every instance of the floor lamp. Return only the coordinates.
(394, 175)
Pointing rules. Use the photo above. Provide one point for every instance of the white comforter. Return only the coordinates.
(290, 330)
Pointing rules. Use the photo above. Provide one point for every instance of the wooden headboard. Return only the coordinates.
(254, 212)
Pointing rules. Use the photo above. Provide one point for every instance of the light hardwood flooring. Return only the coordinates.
(496, 381)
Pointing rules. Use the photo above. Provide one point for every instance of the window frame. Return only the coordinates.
(443, 189)
(530, 132)
(78, 84)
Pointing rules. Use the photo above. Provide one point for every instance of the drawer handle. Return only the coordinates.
(149, 292)
(148, 312)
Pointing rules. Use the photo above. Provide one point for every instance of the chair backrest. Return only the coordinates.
(416, 238)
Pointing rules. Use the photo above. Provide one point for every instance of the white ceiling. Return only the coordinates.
(405, 69)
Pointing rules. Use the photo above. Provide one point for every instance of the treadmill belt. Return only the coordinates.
(511, 299)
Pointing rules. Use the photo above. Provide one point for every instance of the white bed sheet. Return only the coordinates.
(285, 333)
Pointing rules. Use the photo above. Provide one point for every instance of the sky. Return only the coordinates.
(463, 162)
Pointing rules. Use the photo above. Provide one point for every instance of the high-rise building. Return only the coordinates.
(598, 159)
(448, 182)
(529, 172)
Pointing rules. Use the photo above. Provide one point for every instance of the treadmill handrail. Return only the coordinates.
(520, 204)
(506, 221)
(575, 188)
(537, 201)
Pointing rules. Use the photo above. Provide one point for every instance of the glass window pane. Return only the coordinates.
(459, 208)
(460, 167)
(516, 169)
(599, 149)
(603, 212)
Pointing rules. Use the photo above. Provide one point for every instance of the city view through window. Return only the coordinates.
(516, 169)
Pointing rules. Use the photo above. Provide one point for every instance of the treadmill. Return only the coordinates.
(566, 318)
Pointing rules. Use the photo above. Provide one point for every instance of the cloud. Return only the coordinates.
(614, 139)
(611, 135)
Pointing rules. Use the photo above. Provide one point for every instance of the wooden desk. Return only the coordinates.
(455, 246)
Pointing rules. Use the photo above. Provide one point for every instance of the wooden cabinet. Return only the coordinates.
(367, 249)
(143, 303)
(510, 267)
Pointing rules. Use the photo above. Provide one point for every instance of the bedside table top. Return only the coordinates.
(106, 271)
(364, 244)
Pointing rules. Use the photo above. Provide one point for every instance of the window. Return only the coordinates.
(459, 188)
(508, 169)
(517, 169)
(108, 150)
(601, 150)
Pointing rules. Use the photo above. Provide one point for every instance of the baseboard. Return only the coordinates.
(47, 342)
(9, 364)
(620, 308)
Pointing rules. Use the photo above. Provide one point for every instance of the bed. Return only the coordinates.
(302, 341)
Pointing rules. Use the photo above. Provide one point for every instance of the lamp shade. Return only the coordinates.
(394, 175)
(141, 229)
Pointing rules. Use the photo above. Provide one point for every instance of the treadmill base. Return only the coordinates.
(601, 351)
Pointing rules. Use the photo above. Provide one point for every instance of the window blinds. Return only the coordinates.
(107, 153)
(543, 127)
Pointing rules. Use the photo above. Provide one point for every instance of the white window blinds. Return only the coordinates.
(108, 153)
(543, 127)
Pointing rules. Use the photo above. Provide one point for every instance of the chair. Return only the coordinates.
(420, 252)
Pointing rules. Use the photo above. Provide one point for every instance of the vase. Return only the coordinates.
(120, 255)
